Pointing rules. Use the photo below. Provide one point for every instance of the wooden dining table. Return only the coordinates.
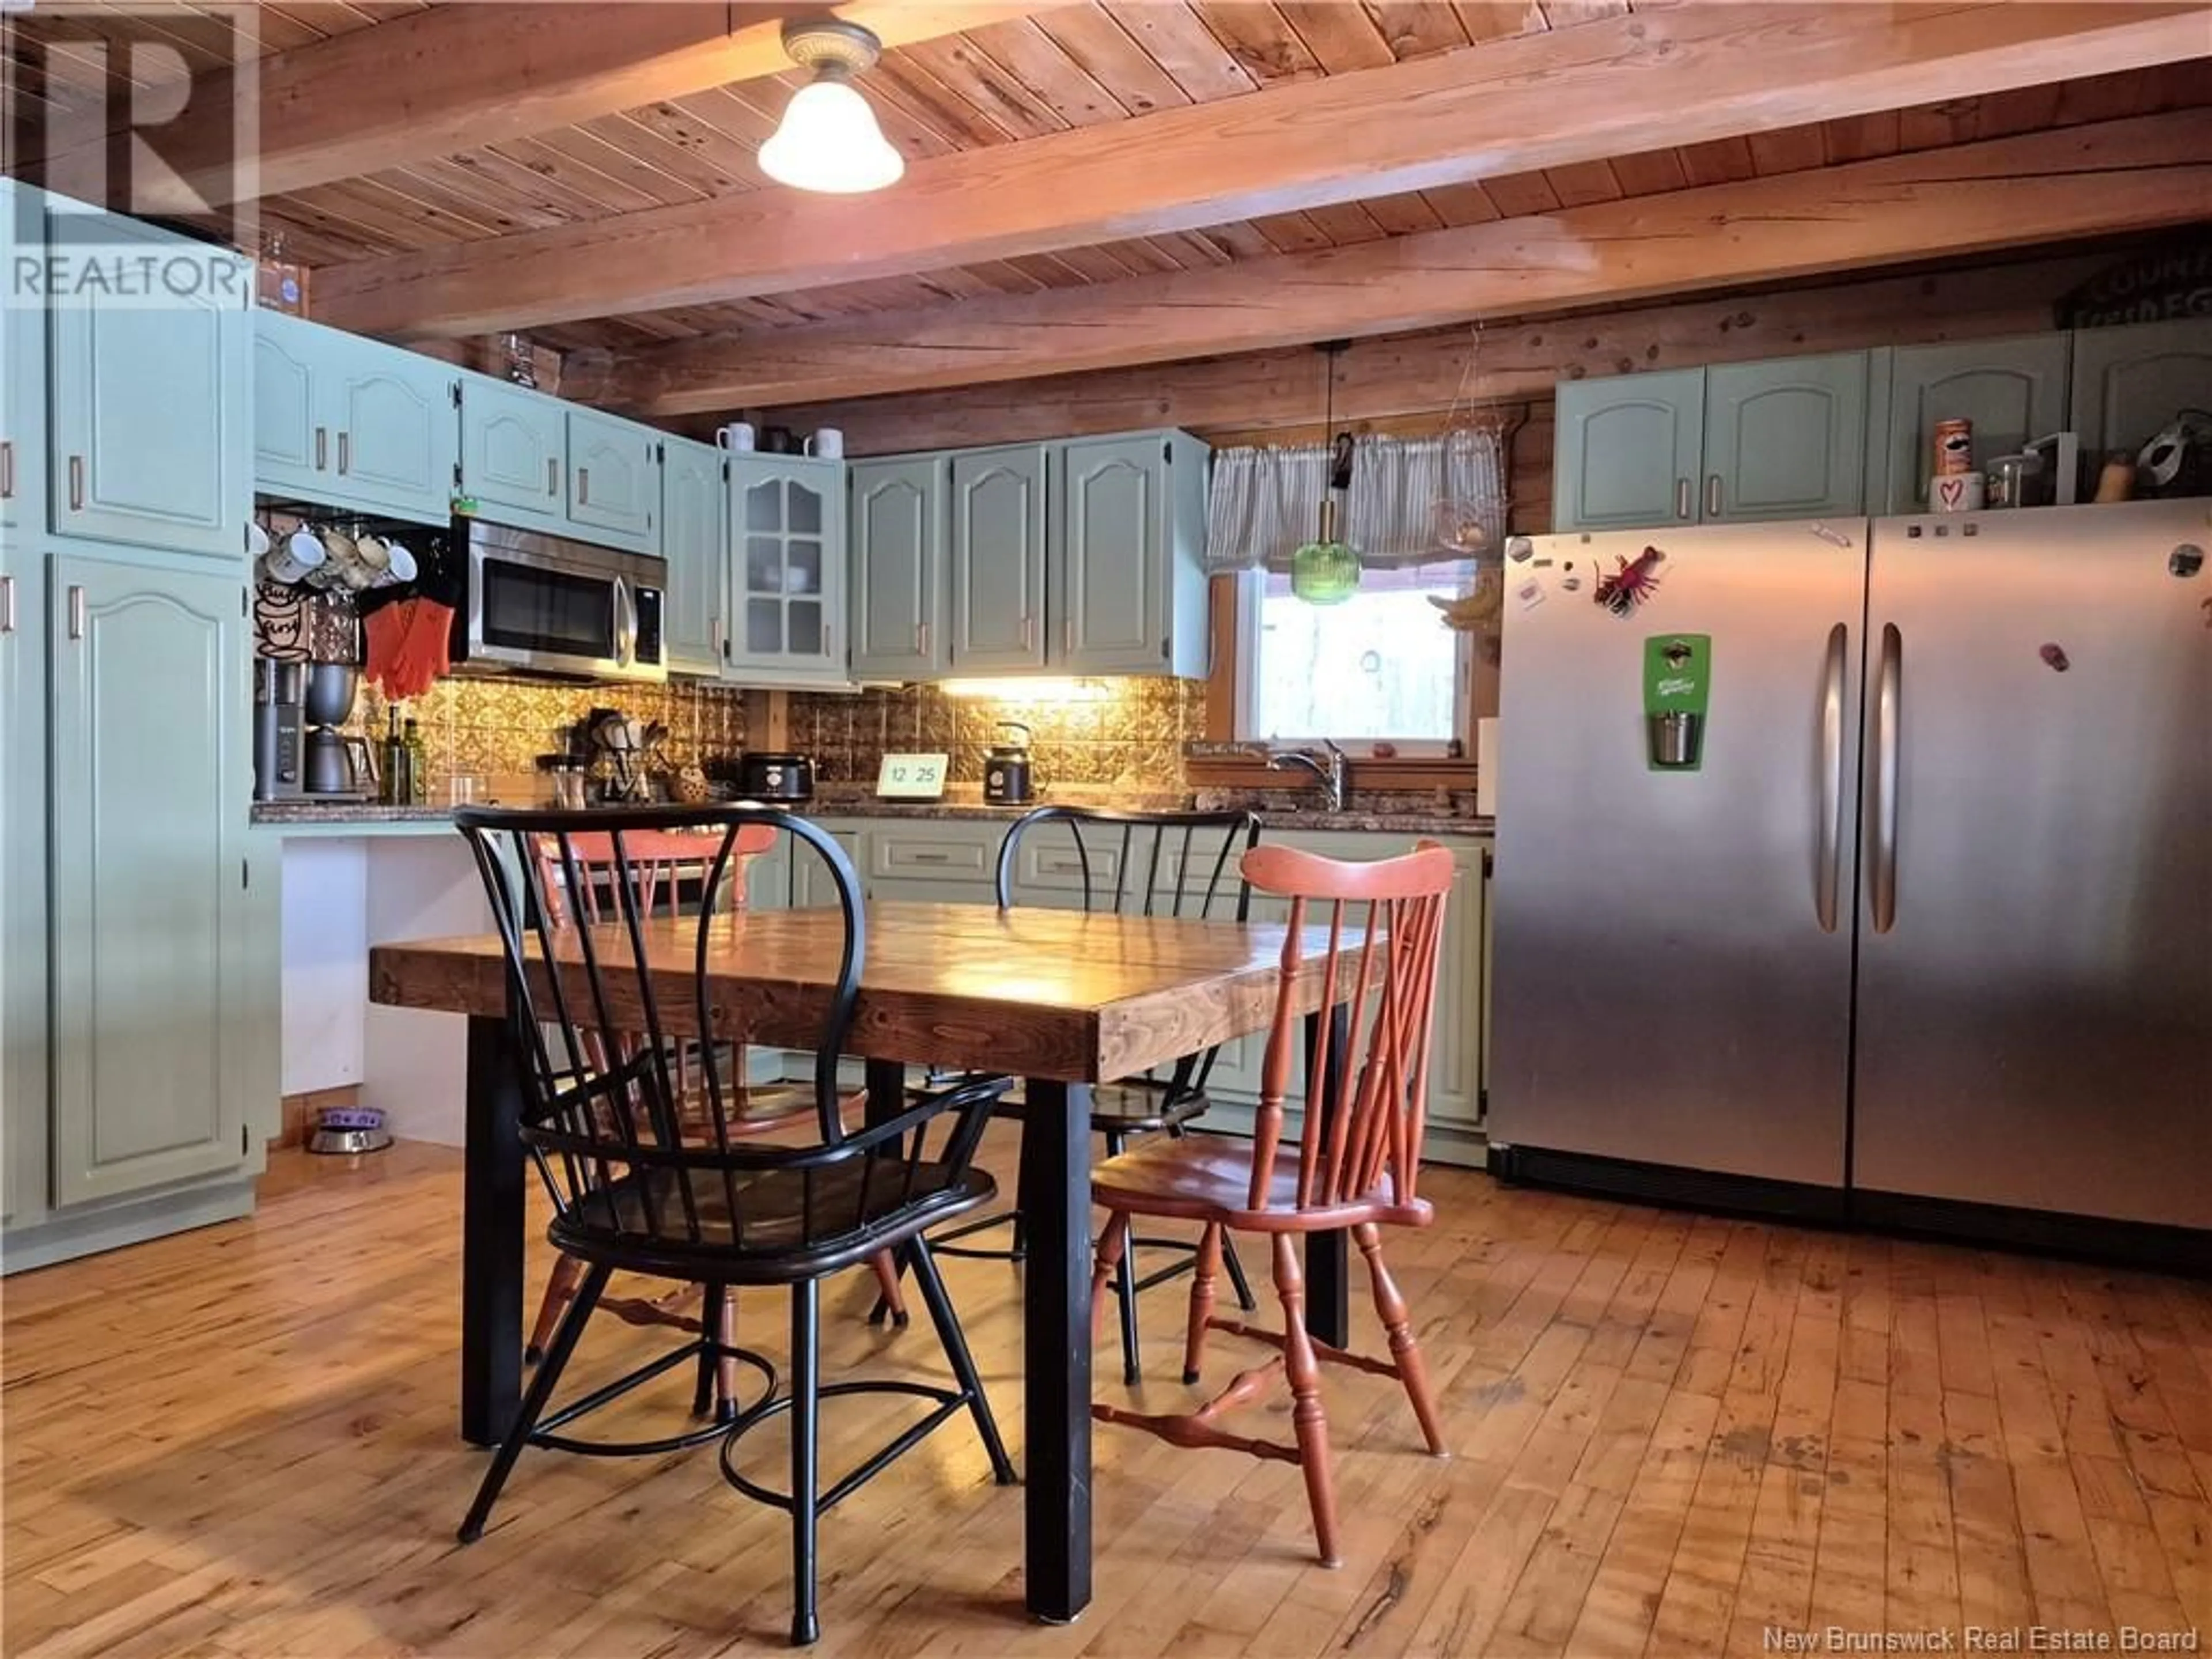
(1060, 999)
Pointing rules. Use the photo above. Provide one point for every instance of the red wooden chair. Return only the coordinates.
(1356, 1172)
(659, 861)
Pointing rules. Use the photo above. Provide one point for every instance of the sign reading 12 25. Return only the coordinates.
(912, 777)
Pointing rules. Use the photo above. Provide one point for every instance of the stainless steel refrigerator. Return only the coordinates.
(1864, 869)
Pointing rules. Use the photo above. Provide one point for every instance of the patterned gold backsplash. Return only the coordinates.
(495, 730)
(1124, 733)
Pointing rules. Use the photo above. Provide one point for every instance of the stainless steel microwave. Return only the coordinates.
(545, 604)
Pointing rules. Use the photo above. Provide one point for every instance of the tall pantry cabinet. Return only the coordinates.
(137, 987)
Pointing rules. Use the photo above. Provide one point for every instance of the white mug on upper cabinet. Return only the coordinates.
(826, 443)
(292, 559)
(738, 437)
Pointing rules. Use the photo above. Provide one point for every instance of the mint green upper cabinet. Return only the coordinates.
(150, 1030)
(2011, 390)
(339, 421)
(513, 444)
(394, 432)
(787, 554)
(997, 560)
(149, 413)
(692, 500)
(22, 371)
(1785, 439)
(291, 443)
(898, 567)
(2129, 383)
(1125, 546)
(614, 480)
(1628, 452)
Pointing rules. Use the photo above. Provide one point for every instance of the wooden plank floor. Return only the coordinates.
(1672, 1433)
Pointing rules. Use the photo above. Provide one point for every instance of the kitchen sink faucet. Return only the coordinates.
(1331, 772)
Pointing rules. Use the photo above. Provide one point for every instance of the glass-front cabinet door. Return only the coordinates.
(786, 570)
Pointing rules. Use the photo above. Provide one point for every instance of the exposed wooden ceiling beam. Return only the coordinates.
(1427, 374)
(2117, 176)
(457, 77)
(1675, 75)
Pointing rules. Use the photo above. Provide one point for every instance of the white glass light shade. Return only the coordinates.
(829, 141)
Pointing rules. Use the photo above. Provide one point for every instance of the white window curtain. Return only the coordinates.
(1265, 502)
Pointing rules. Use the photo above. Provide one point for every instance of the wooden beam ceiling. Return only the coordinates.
(459, 76)
(1676, 75)
(2113, 177)
(1430, 373)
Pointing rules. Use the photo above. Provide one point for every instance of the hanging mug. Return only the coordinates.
(294, 558)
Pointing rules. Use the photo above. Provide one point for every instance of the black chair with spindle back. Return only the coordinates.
(622, 1037)
(1181, 865)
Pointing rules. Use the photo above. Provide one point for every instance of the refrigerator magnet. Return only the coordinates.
(1530, 593)
(1630, 587)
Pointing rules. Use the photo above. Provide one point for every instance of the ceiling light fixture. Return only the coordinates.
(828, 139)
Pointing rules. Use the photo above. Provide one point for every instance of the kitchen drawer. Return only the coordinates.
(922, 856)
(1048, 863)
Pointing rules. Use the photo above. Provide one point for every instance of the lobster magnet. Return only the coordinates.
(1631, 586)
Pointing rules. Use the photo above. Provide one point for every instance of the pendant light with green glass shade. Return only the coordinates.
(1326, 570)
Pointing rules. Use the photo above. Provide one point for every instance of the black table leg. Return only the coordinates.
(1328, 1305)
(1056, 1349)
(886, 1090)
(491, 1238)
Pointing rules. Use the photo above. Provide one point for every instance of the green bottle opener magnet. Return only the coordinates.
(1677, 671)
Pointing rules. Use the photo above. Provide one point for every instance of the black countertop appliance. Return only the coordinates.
(1006, 780)
(766, 775)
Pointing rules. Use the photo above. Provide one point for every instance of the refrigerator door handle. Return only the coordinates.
(1829, 860)
(1889, 693)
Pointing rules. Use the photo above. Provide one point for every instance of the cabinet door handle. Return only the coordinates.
(7, 604)
(1682, 498)
(1025, 633)
(552, 476)
(1712, 494)
(345, 453)
(322, 447)
(929, 857)
(7, 469)
(1067, 637)
(76, 484)
(583, 486)
(76, 612)
(921, 639)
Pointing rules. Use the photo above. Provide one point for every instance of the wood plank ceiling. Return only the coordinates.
(1081, 64)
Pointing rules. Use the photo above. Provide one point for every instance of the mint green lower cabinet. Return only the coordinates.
(22, 881)
(1628, 452)
(1785, 439)
(693, 539)
(151, 430)
(897, 575)
(2011, 390)
(152, 1026)
(2130, 382)
(997, 602)
(1455, 1089)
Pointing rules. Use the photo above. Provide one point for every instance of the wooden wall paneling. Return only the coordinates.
(1412, 373)
(2110, 179)
(1103, 50)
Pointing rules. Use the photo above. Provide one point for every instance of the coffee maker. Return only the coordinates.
(330, 772)
(279, 759)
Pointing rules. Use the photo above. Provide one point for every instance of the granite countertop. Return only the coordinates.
(345, 812)
(1352, 820)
